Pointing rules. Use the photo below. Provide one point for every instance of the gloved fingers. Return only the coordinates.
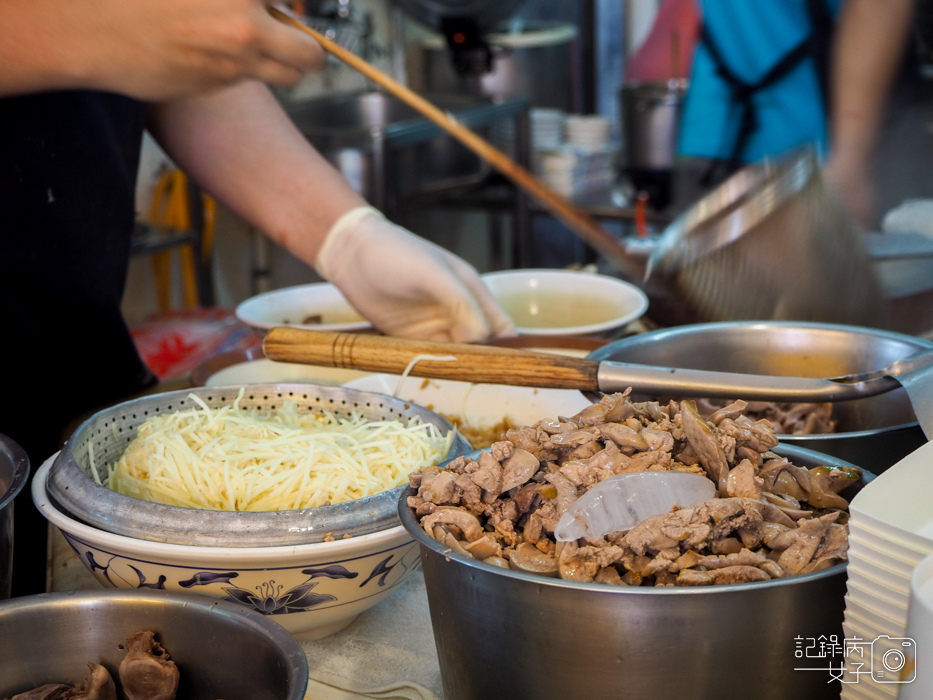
(432, 321)
(500, 324)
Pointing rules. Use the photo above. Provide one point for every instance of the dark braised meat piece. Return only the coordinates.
(98, 685)
(147, 672)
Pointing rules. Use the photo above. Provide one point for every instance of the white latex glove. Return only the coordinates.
(407, 286)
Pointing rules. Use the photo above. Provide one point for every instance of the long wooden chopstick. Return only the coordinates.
(577, 220)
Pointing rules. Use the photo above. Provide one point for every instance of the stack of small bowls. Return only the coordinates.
(890, 534)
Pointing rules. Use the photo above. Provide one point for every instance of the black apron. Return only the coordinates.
(68, 166)
(817, 46)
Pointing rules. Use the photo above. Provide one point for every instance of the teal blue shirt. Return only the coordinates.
(752, 36)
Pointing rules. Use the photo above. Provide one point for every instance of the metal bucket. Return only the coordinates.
(650, 115)
(650, 124)
(532, 59)
(14, 472)
(873, 433)
(506, 634)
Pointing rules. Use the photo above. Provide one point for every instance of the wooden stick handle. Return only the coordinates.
(579, 221)
(474, 363)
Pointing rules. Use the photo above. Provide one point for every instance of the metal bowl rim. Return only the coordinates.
(75, 528)
(406, 515)
(641, 339)
(294, 657)
(21, 468)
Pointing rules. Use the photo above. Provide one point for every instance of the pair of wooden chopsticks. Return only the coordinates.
(579, 221)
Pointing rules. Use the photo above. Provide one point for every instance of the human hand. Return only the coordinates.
(852, 184)
(158, 50)
(407, 286)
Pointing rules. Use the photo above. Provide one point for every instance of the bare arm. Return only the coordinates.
(149, 49)
(869, 46)
(241, 147)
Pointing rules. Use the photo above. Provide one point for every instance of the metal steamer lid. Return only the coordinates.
(484, 14)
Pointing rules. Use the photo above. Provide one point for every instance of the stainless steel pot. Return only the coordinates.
(533, 59)
(505, 634)
(223, 650)
(14, 473)
(650, 116)
(872, 433)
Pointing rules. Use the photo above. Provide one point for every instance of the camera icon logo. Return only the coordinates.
(892, 659)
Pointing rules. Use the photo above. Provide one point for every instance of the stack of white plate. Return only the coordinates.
(571, 170)
(890, 533)
(587, 130)
(547, 128)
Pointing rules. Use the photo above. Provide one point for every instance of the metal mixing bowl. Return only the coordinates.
(506, 634)
(222, 650)
(872, 433)
(108, 433)
(14, 472)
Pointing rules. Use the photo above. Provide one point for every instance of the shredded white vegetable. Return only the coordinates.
(229, 458)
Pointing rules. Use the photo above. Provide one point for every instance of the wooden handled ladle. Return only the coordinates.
(496, 365)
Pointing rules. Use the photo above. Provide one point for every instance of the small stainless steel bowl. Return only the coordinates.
(108, 433)
(222, 650)
(14, 473)
(872, 433)
(504, 634)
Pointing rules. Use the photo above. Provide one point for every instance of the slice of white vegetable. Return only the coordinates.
(621, 502)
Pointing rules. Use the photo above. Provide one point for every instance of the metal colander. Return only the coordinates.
(772, 242)
(108, 433)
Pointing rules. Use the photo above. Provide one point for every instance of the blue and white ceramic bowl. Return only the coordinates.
(313, 590)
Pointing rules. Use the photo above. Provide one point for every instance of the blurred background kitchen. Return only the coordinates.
(560, 86)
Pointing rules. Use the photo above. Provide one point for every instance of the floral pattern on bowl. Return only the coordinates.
(312, 590)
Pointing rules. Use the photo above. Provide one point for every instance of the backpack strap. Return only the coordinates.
(822, 26)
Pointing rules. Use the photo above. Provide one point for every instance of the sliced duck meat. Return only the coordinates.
(743, 481)
(518, 468)
(528, 558)
(806, 540)
(718, 577)
(826, 483)
(705, 444)
(771, 518)
(467, 523)
(743, 557)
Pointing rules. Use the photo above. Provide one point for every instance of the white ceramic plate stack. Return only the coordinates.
(547, 128)
(588, 131)
(582, 160)
(890, 533)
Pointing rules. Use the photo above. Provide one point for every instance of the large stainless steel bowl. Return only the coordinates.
(14, 472)
(872, 433)
(106, 434)
(222, 650)
(506, 634)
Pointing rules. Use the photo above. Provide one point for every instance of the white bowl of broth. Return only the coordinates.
(319, 306)
(564, 302)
